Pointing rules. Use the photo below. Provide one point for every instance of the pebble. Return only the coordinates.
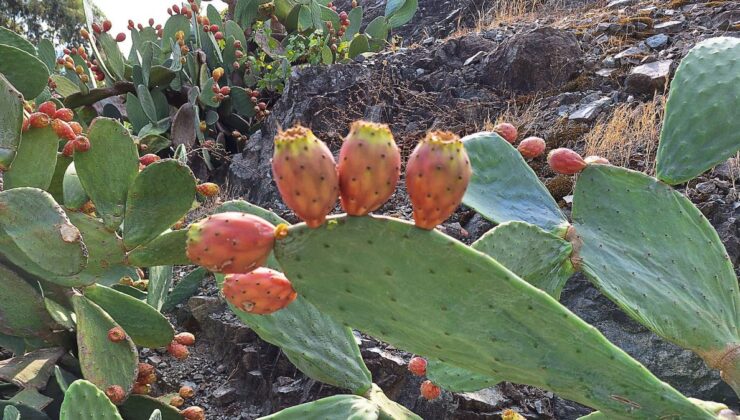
(657, 41)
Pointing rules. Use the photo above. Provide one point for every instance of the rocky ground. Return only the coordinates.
(590, 76)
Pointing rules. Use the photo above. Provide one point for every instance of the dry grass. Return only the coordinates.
(628, 132)
(507, 12)
(524, 117)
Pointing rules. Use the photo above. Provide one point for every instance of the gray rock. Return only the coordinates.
(225, 394)
(605, 72)
(649, 77)
(540, 59)
(589, 112)
(657, 41)
(669, 27)
(609, 62)
(726, 20)
(616, 4)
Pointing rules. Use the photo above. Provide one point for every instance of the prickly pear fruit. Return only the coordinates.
(177, 401)
(186, 392)
(120, 37)
(107, 25)
(116, 334)
(185, 338)
(141, 389)
(193, 413)
(39, 120)
(145, 369)
(418, 366)
(369, 168)
(26, 124)
(306, 174)
(148, 159)
(531, 147)
(64, 114)
(230, 242)
(565, 161)
(507, 131)
(511, 415)
(430, 391)
(69, 149)
(81, 144)
(208, 189)
(115, 394)
(49, 108)
(178, 351)
(437, 175)
(596, 159)
(76, 127)
(262, 291)
(63, 130)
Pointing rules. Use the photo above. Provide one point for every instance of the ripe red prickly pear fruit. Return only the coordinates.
(507, 131)
(39, 120)
(63, 130)
(26, 124)
(208, 189)
(418, 366)
(230, 242)
(107, 25)
(116, 334)
(115, 394)
(49, 108)
(76, 127)
(120, 37)
(145, 369)
(185, 338)
(437, 174)
(178, 351)
(565, 161)
(369, 168)
(141, 389)
(306, 174)
(148, 159)
(64, 114)
(69, 149)
(186, 392)
(177, 401)
(531, 147)
(81, 144)
(597, 159)
(193, 413)
(261, 291)
(430, 391)
(96, 28)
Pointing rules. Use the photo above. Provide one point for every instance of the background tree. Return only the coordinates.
(57, 20)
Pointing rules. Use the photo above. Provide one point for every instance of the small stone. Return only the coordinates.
(225, 395)
(649, 77)
(609, 62)
(657, 41)
(669, 27)
(589, 112)
(636, 52)
(706, 187)
(616, 4)
(604, 72)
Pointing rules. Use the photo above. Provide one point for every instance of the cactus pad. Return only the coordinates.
(11, 120)
(38, 233)
(160, 195)
(140, 407)
(107, 180)
(504, 187)
(26, 412)
(166, 249)
(26, 72)
(349, 407)
(35, 160)
(673, 276)
(73, 192)
(539, 257)
(695, 138)
(22, 311)
(102, 361)
(144, 324)
(389, 409)
(404, 286)
(455, 379)
(84, 401)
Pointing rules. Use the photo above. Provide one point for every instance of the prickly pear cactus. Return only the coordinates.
(348, 407)
(701, 124)
(84, 401)
(11, 120)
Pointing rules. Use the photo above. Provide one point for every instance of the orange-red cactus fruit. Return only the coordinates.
(262, 291)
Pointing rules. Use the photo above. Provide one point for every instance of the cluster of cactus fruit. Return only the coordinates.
(77, 222)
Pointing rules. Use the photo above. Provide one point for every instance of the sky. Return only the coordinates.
(120, 11)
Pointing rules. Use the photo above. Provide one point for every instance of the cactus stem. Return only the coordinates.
(572, 236)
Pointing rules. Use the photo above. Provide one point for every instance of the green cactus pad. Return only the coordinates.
(156, 415)
(84, 401)
(102, 361)
(105, 263)
(26, 72)
(74, 194)
(349, 407)
(60, 314)
(538, 257)
(185, 288)
(140, 407)
(112, 57)
(35, 160)
(162, 193)
(8, 37)
(26, 412)
(154, 143)
(404, 286)
(11, 121)
(166, 249)
(144, 324)
(389, 409)
(455, 379)
(31, 370)
(22, 310)
(105, 178)
(504, 188)
(662, 274)
(695, 138)
(56, 187)
(171, 27)
(35, 232)
(11, 413)
(301, 330)
(160, 282)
